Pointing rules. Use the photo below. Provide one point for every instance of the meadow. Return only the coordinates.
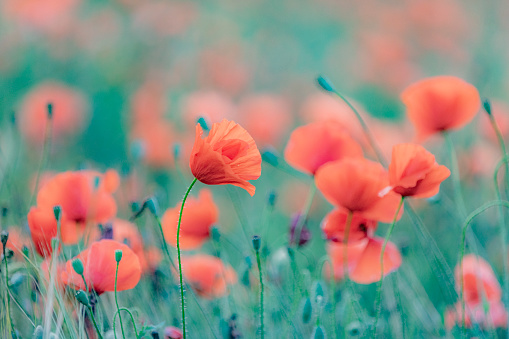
(254, 169)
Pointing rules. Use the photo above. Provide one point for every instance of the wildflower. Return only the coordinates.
(313, 145)
(207, 275)
(199, 215)
(439, 104)
(172, 332)
(414, 172)
(213, 106)
(156, 139)
(228, 155)
(100, 266)
(68, 112)
(334, 226)
(353, 184)
(364, 259)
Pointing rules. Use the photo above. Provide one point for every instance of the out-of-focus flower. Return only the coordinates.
(84, 197)
(313, 145)
(353, 185)
(440, 104)
(172, 332)
(228, 155)
(149, 103)
(207, 275)
(156, 139)
(305, 234)
(17, 240)
(364, 259)
(414, 172)
(68, 112)
(267, 118)
(100, 266)
(212, 106)
(199, 215)
(334, 226)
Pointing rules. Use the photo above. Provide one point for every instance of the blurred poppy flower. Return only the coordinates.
(212, 106)
(228, 155)
(149, 103)
(84, 197)
(316, 144)
(439, 104)
(199, 215)
(156, 139)
(364, 259)
(256, 110)
(100, 265)
(414, 172)
(17, 240)
(493, 314)
(207, 275)
(353, 184)
(172, 332)
(69, 109)
(334, 226)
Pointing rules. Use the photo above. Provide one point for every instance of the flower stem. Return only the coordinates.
(258, 261)
(95, 323)
(118, 308)
(182, 300)
(7, 294)
(349, 218)
(130, 315)
(303, 216)
(378, 302)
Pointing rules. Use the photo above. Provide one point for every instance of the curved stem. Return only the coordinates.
(132, 319)
(116, 302)
(258, 261)
(469, 219)
(501, 143)
(182, 300)
(378, 302)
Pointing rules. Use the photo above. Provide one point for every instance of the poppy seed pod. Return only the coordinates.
(4, 236)
(256, 243)
(81, 296)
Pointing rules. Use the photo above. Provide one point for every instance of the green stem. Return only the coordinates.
(469, 219)
(116, 302)
(304, 215)
(95, 323)
(367, 132)
(349, 218)
(130, 315)
(165, 244)
(501, 143)
(456, 181)
(378, 303)
(182, 300)
(9, 317)
(258, 261)
(44, 159)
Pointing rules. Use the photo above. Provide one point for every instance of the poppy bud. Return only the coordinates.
(487, 106)
(319, 333)
(57, 210)
(77, 266)
(4, 211)
(326, 84)
(307, 311)
(135, 206)
(203, 123)
(256, 243)
(4, 236)
(50, 110)
(245, 279)
(270, 156)
(81, 296)
(271, 199)
(214, 232)
(118, 255)
(153, 206)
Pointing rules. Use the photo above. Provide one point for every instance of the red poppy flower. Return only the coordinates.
(353, 184)
(364, 259)
(198, 217)
(414, 172)
(318, 143)
(69, 108)
(100, 265)
(439, 104)
(479, 281)
(207, 275)
(494, 316)
(84, 196)
(228, 155)
(156, 139)
(334, 226)
(212, 106)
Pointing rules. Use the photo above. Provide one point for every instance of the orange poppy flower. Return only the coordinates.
(199, 215)
(69, 108)
(364, 259)
(84, 196)
(353, 184)
(207, 275)
(439, 104)
(156, 139)
(318, 143)
(228, 155)
(334, 226)
(100, 265)
(149, 102)
(414, 172)
(479, 281)
(212, 106)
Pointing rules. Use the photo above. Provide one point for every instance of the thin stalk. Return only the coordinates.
(45, 153)
(501, 143)
(258, 261)
(179, 259)
(469, 219)
(165, 244)
(456, 181)
(303, 216)
(7, 294)
(378, 303)
(118, 308)
(130, 315)
(95, 323)
(349, 218)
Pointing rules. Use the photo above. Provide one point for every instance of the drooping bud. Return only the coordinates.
(256, 243)
(487, 106)
(152, 205)
(77, 266)
(81, 296)
(203, 123)
(270, 156)
(118, 255)
(325, 83)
